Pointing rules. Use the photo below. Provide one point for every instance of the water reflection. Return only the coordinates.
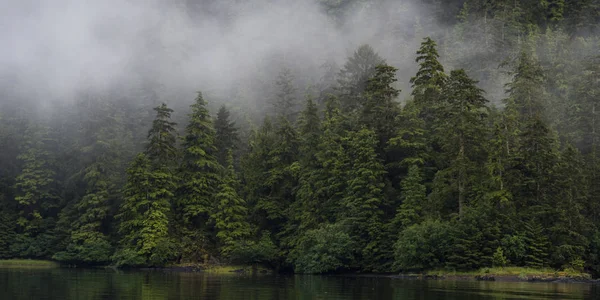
(107, 284)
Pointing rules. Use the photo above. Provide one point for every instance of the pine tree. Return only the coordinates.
(285, 104)
(525, 90)
(161, 148)
(199, 169)
(413, 199)
(537, 245)
(226, 135)
(36, 191)
(410, 139)
(466, 113)
(230, 215)
(354, 76)
(363, 198)
(307, 209)
(380, 110)
(89, 218)
(429, 81)
(144, 215)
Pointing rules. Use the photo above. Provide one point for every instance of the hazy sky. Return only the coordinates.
(61, 46)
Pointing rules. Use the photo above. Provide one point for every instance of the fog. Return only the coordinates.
(51, 50)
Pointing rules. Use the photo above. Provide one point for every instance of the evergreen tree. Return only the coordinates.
(354, 76)
(230, 215)
(285, 104)
(363, 198)
(466, 113)
(413, 199)
(429, 81)
(537, 245)
(161, 148)
(307, 211)
(199, 169)
(380, 110)
(525, 90)
(144, 216)
(226, 135)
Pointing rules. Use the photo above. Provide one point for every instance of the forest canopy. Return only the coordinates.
(456, 135)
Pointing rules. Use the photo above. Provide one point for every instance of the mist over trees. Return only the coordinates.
(313, 136)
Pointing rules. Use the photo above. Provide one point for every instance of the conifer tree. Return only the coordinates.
(199, 169)
(285, 104)
(466, 114)
(429, 81)
(526, 88)
(363, 197)
(307, 211)
(226, 135)
(36, 185)
(413, 199)
(380, 110)
(230, 214)
(537, 245)
(161, 148)
(354, 76)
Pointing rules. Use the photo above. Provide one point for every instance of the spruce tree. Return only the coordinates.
(199, 169)
(363, 200)
(285, 104)
(429, 81)
(380, 109)
(161, 147)
(307, 211)
(465, 112)
(354, 76)
(230, 214)
(145, 215)
(413, 199)
(226, 135)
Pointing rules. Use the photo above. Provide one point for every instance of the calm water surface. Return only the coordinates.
(67, 284)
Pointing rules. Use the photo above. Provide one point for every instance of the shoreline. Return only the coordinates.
(509, 274)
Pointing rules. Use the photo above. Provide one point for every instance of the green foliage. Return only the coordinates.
(253, 252)
(199, 171)
(354, 76)
(144, 213)
(226, 135)
(423, 246)
(537, 245)
(499, 260)
(323, 250)
(231, 213)
(413, 198)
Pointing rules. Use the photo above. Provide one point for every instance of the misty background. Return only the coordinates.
(231, 50)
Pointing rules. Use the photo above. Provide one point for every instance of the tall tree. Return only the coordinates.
(145, 215)
(429, 81)
(230, 214)
(199, 169)
(226, 135)
(354, 76)
(285, 104)
(161, 148)
(463, 150)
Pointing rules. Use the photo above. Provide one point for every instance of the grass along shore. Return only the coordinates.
(515, 273)
(28, 263)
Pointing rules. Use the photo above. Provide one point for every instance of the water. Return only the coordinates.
(67, 284)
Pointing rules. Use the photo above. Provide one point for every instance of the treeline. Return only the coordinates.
(345, 179)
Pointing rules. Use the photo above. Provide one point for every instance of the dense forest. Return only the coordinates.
(481, 148)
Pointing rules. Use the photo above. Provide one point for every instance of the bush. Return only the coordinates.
(423, 246)
(251, 252)
(499, 260)
(323, 250)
